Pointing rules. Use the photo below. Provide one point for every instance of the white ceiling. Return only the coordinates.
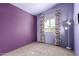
(34, 8)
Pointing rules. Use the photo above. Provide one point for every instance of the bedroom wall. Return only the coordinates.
(17, 28)
(76, 29)
(66, 12)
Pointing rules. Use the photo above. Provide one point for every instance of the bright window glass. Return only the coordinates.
(49, 25)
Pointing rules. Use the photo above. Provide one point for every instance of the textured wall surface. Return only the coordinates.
(17, 28)
(66, 13)
(76, 29)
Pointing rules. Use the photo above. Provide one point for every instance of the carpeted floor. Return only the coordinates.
(40, 49)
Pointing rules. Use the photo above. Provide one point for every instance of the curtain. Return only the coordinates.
(42, 33)
(57, 27)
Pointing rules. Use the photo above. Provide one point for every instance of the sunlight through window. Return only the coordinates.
(49, 25)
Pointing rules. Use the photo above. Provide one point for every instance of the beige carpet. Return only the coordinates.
(40, 49)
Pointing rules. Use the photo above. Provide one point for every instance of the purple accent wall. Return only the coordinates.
(17, 28)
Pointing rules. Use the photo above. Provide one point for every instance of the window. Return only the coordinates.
(49, 25)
